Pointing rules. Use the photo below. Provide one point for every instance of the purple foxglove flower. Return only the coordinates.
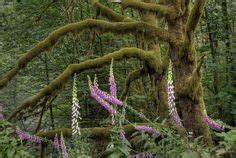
(107, 97)
(142, 155)
(63, 147)
(147, 129)
(56, 142)
(99, 99)
(103, 103)
(25, 136)
(211, 123)
(112, 82)
(110, 98)
(171, 99)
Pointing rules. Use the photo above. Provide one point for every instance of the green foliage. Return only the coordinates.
(118, 146)
(10, 147)
(229, 140)
(79, 147)
(172, 145)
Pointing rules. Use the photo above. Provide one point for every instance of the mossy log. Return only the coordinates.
(94, 132)
(100, 26)
(60, 81)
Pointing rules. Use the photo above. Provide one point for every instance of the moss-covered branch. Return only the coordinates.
(109, 13)
(161, 10)
(147, 56)
(100, 26)
(194, 18)
(130, 78)
(94, 132)
(194, 81)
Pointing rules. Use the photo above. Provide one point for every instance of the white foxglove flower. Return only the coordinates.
(171, 98)
(75, 110)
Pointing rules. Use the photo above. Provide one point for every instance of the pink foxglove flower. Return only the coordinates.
(25, 136)
(171, 99)
(110, 98)
(213, 124)
(63, 147)
(147, 129)
(56, 142)
(107, 97)
(112, 82)
(99, 99)
(75, 110)
(103, 103)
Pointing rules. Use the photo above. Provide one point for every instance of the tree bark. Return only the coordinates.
(158, 81)
(188, 87)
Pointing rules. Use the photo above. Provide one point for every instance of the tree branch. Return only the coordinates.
(109, 13)
(130, 78)
(95, 132)
(41, 116)
(194, 18)
(161, 10)
(193, 82)
(99, 25)
(60, 81)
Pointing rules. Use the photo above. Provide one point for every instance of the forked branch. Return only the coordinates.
(109, 13)
(194, 17)
(161, 10)
(100, 26)
(130, 78)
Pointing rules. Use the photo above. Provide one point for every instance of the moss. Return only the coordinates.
(130, 78)
(195, 15)
(194, 81)
(161, 97)
(193, 20)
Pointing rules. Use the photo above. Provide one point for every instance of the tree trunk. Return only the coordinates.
(158, 80)
(187, 80)
(229, 57)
